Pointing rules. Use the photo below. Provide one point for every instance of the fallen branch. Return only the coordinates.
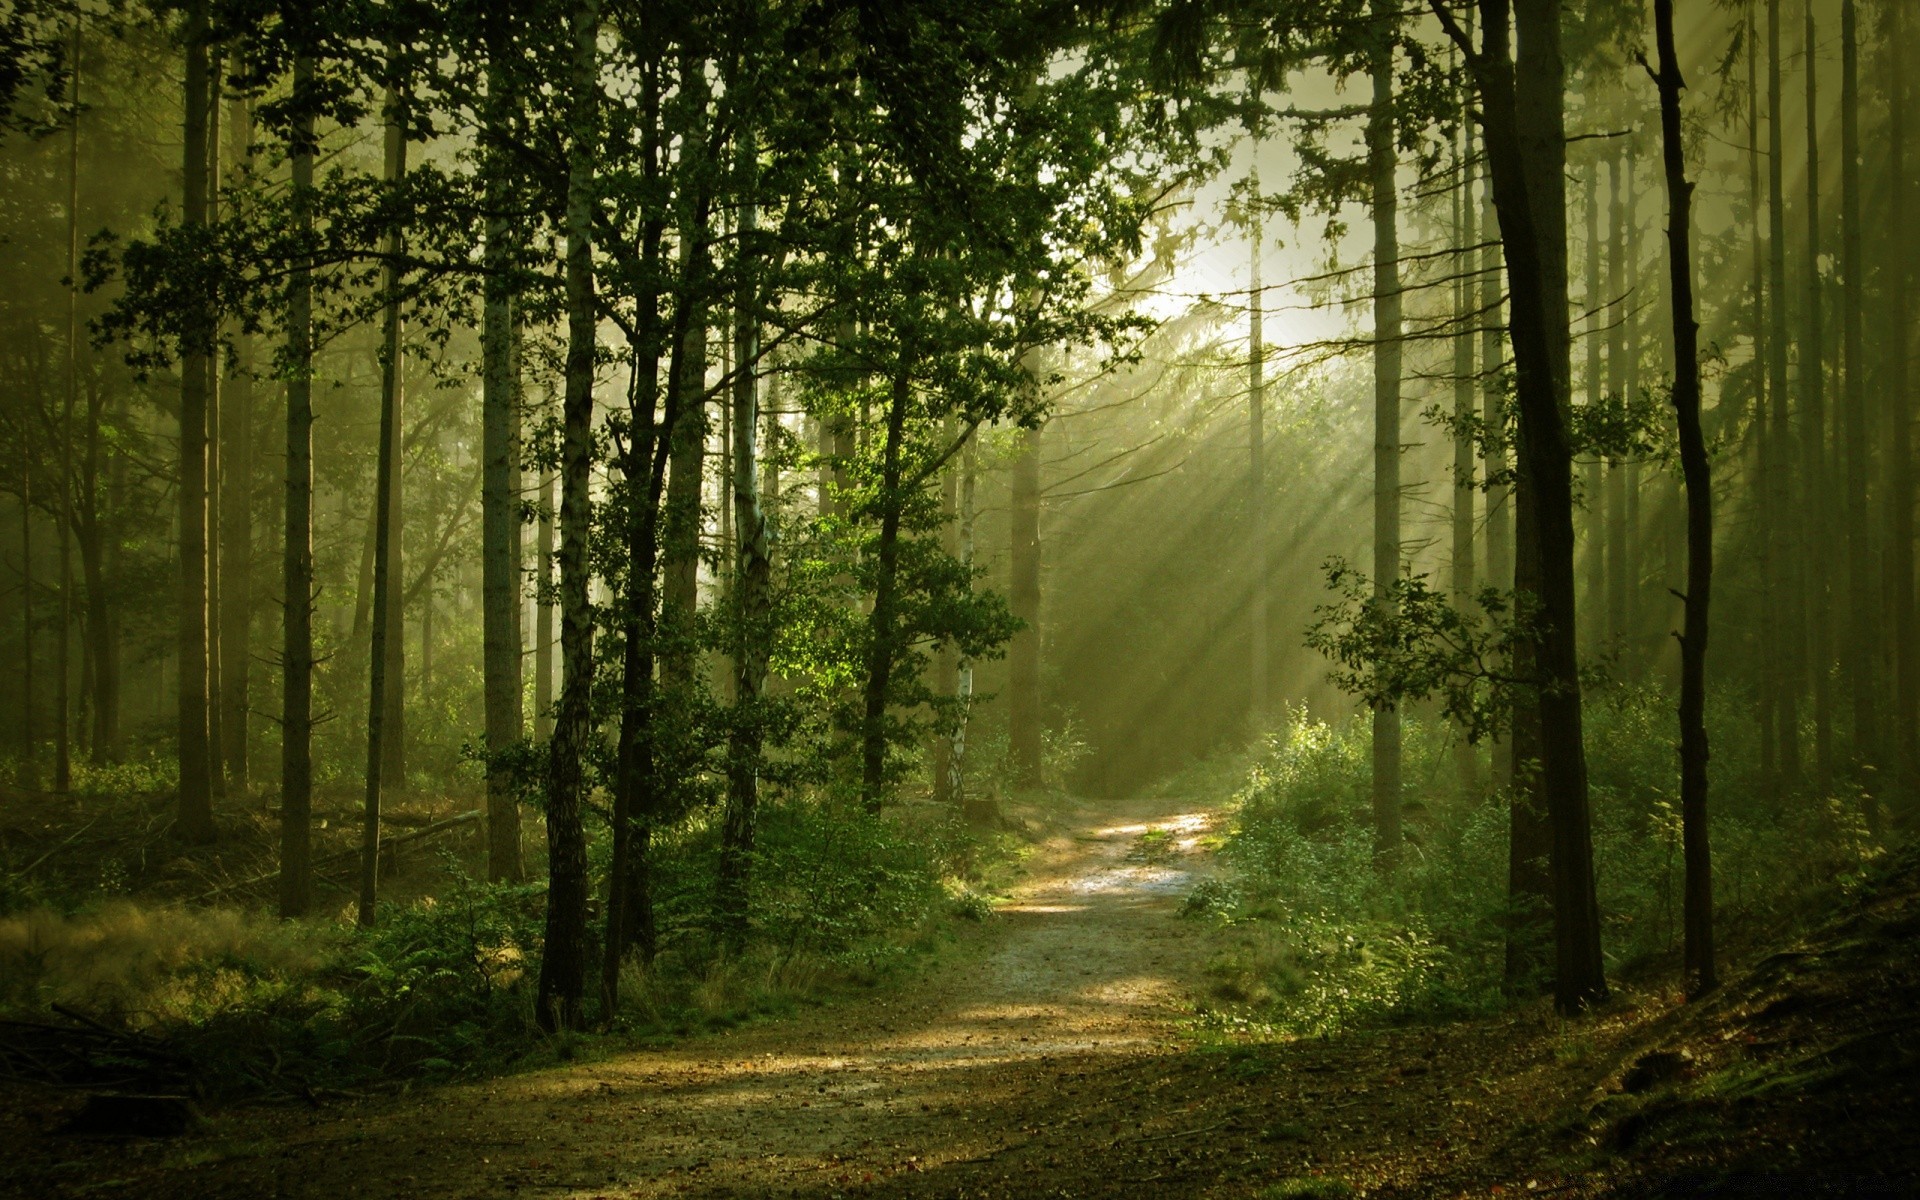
(350, 856)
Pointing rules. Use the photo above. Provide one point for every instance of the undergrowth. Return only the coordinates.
(443, 986)
(1316, 937)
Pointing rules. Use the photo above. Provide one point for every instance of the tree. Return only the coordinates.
(1522, 100)
(1382, 165)
(563, 966)
(1699, 485)
(500, 502)
(196, 765)
(384, 658)
(296, 649)
(1862, 622)
(1788, 488)
(1023, 657)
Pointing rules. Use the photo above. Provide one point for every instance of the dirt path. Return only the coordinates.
(984, 1061)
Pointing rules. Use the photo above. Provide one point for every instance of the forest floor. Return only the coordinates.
(1054, 1053)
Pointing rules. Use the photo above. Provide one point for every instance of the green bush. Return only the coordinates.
(1318, 938)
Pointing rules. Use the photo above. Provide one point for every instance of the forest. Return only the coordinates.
(959, 598)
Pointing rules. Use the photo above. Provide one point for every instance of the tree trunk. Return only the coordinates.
(296, 650)
(1790, 495)
(384, 655)
(499, 504)
(1594, 469)
(543, 588)
(1863, 624)
(883, 622)
(1493, 418)
(196, 766)
(1023, 595)
(752, 577)
(216, 469)
(946, 663)
(236, 524)
(1465, 582)
(1818, 532)
(562, 986)
(1526, 145)
(1382, 163)
(1898, 573)
(1694, 466)
(63, 739)
(680, 540)
(1769, 673)
(1621, 578)
(1257, 551)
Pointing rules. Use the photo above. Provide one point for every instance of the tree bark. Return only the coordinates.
(752, 591)
(1694, 466)
(1863, 622)
(1465, 580)
(1382, 164)
(1767, 699)
(1524, 99)
(63, 736)
(543, 585)
(296, 650)
(1024, 741)
(1898, 572)
(196, 765)
(1790, 495)
(562, 984)
(499, 502)
(384, 656)
(236, 521)
(883, 622)
(1621, 578)
(1818, 534)
(1257, 537)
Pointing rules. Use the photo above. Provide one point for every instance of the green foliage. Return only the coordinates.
(1314, 937)
(437, 988)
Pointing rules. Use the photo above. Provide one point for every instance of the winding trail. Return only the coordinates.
(973, 1079)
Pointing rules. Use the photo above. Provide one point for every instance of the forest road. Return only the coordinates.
(1015, 1068)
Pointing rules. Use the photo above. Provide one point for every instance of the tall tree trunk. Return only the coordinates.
(1494, 419)
(384, 656)
(1023, 597)
(543, 590)
(1524, 100)
(562, 987)
(1620, 576)
(216, 471)
(883, 623)
(1863, 622)
(946, 662)
(753, 572)
(680, 540)
(637, 784)
(1898, 572)
(1465, 582)
(499, 501)
(1382, 162)
(196, 765)
(1816, 513)
(1257, 550)
(1769, 677)
(1789, 493)
(63, 735)
(236, 525)
(1594, 469)
(296, 650)
(1694, 466)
